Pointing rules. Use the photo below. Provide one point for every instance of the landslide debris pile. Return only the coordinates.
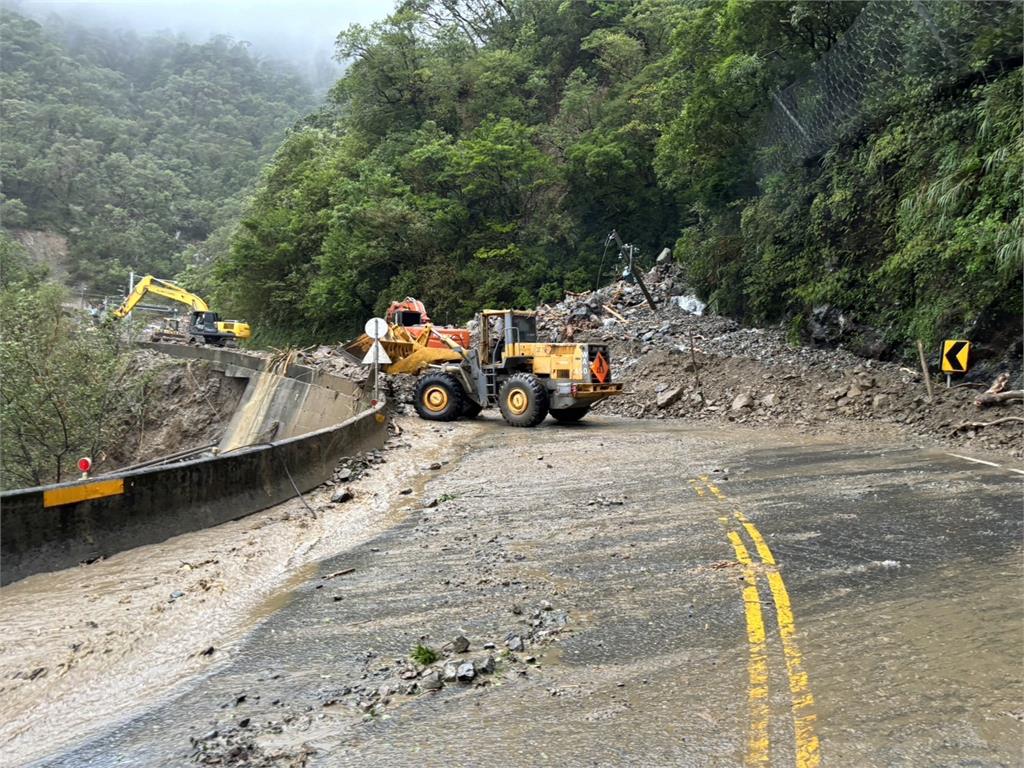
(680, 362)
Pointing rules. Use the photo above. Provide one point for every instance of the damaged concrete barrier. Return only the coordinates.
(59, 526)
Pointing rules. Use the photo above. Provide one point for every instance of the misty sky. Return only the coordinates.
(299, 30)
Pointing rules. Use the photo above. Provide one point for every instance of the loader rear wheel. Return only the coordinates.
(523, 400)
(569, 415)
(439, 397)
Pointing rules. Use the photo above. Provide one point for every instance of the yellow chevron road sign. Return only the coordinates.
(956, 354)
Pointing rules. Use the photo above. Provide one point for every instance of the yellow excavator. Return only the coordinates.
(205, 327)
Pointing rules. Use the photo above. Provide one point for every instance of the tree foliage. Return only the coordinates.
(62, 380)
(133, 147)
(477, 152)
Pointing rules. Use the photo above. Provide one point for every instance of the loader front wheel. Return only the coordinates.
(523, 400)
(439, 397)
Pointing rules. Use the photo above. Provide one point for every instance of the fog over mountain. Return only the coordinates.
(300, 31)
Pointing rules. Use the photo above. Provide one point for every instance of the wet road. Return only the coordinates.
(730, 598)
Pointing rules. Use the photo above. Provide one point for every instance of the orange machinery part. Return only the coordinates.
(412, 315)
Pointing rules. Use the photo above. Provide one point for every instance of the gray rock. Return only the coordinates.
(514, 643)
(431, 681)
(879, 402)
(853, 392)
(430, 503)
(460, 644)
(742, 401)
(341, 495)
(770, 401)
(669, 397)
(450, 671)
(466, 672)
(486, 666)
(344, 475)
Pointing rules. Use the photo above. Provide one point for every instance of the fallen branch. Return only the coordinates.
(342, 572)
(999, 384)
(995, 398)
(980, 424)
(615, 314)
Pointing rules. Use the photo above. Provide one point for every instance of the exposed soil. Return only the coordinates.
(47, 249)
(184, 405)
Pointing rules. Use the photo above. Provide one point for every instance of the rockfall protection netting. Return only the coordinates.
(893, 47)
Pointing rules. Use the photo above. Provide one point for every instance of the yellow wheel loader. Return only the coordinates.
(508, 367)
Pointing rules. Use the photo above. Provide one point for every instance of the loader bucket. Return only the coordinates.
(409, 353)
(416, 358)
(356, 349)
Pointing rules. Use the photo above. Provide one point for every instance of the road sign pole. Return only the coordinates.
(376, 371)
(948, 377)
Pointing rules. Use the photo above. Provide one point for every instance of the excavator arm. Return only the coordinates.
(158, 287)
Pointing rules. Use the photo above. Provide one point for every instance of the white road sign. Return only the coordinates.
(376, 328)
(376, 354)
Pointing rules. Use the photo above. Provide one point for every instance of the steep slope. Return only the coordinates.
(133, 148)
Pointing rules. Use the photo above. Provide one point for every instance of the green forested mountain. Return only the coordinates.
(477, 154)
(133, 147)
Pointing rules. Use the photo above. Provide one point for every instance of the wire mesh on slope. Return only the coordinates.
(892, 47)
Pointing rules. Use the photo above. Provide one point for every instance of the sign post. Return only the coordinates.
(376, 328)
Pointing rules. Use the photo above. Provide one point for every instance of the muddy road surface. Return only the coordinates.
(625, 593)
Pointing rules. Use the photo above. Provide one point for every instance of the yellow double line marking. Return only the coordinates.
(808, 752)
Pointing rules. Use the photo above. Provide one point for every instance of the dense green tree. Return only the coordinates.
(61, 380)
(479, 152)
(134, 148)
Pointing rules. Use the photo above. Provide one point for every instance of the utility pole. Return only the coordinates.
(131, 286)
(627, 252)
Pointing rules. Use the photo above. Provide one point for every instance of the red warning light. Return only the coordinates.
(84, 464)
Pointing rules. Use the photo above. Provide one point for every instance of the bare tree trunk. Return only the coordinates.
(995, 398)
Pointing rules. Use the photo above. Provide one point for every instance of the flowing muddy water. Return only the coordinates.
(904, 591)
(90, 646)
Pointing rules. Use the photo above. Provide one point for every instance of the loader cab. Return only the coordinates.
(500, 329)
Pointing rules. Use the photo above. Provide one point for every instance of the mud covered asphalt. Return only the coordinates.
(685, 597)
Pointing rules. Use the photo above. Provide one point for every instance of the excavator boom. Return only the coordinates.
(158, 287)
